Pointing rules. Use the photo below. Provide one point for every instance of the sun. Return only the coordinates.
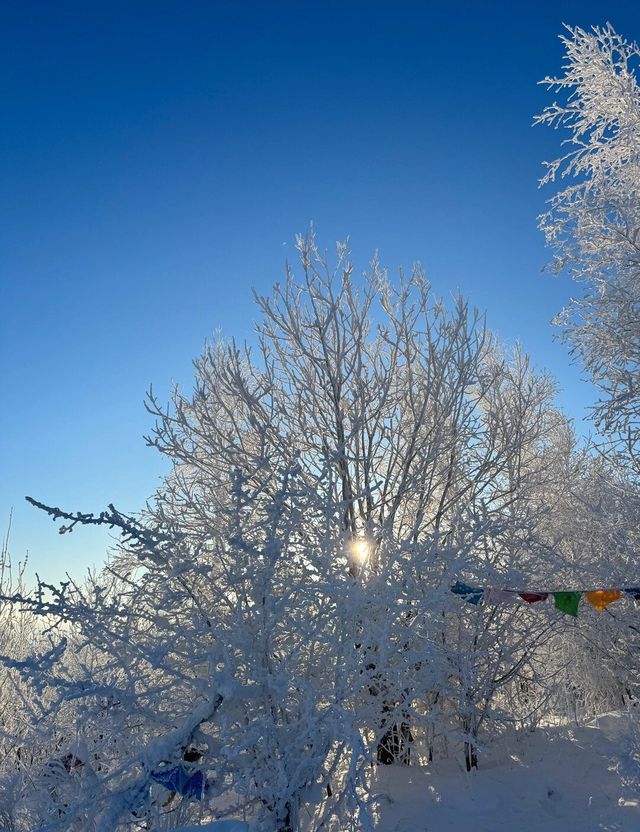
(360, 549)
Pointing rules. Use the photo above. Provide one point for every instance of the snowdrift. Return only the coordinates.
(554, 779)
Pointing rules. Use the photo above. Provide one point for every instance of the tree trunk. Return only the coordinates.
(470, 756)
(470, 751)
(395, 745)
(286, 823)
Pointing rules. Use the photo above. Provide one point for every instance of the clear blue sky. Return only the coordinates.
(158, 158)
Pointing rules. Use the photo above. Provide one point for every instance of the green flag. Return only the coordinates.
(567, 602)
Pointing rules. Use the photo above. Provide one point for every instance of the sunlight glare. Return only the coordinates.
(360, 550)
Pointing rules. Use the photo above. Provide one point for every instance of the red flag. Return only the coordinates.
(532, 597)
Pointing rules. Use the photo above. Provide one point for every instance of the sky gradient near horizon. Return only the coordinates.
(158, 159)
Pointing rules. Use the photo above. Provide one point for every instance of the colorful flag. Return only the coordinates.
(567, 602)
(472, 594)
(499, 596)
(532, 597)
(601, 598)
(178, 779)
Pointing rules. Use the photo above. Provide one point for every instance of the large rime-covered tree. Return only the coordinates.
(284, 605)
(593, 227)
(417, 436)
(593, 224)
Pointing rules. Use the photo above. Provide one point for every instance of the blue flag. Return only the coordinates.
(472, 594)
(178, 779)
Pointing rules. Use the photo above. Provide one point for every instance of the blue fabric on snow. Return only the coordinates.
(178, 779)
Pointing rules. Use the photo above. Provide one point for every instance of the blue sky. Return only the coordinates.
(158, 159)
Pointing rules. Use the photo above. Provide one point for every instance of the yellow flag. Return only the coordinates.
(601, 598)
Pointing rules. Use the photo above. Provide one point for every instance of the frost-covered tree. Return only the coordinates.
(590, 665)
(431, 440)
(593, 225)
(281, 617)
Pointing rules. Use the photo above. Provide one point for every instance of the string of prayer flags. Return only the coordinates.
(472, 594)
(533, 597)
(601, 598)
(567, 602)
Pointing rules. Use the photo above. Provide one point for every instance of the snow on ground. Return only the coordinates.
(557, 780)
(219, 826)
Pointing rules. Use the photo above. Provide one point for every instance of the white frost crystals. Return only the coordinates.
(593, 226)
